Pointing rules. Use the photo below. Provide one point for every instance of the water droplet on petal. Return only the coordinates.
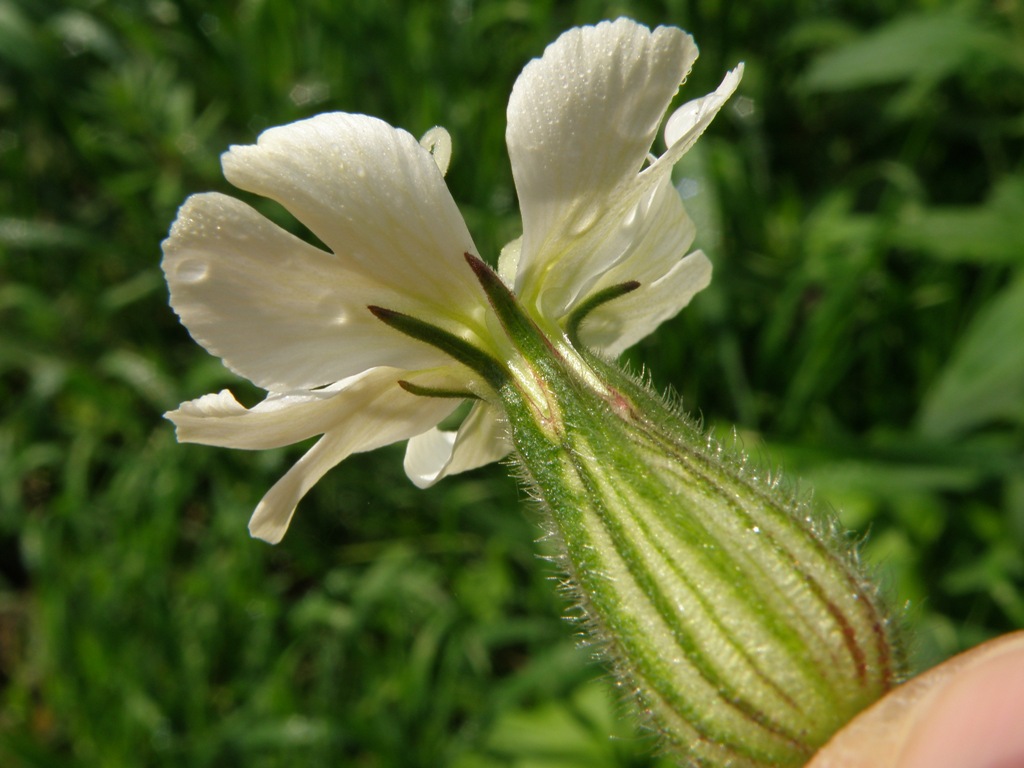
(192, 271)
(585, 220)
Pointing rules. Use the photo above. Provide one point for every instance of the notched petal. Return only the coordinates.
(278, 311)
(581, 122)
(372, 194)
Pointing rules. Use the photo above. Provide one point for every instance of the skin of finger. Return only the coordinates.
(977, 720)
(968, 708)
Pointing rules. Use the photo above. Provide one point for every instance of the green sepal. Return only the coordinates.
(577, 316)
(455, 347)
(523, 332)
(416, 389)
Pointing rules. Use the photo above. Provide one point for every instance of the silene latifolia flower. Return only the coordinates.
(747, 639)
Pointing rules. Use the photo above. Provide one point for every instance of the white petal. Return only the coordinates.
(278, 311)
(221, 420)
(274, 513)
(427, 455)
(280, 419)
(621, 323)
(371, 412)
(438, 142)
(667, 282)
(508, 261)
(581, 122)
(688, 122)
(660, 231)
(660, 235)
(373, 195)
(435, 454)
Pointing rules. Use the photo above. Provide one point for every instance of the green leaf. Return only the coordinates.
(988, 233)
(569, 733)
(927, 46)
(984, 381)
(18, 41)
(29, 235)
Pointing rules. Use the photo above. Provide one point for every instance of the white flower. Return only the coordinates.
(598, 211)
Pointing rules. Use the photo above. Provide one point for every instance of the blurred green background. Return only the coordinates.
(863, 202)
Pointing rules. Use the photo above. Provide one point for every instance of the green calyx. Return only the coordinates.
(746, 632)
(740, 622)
(742, 625)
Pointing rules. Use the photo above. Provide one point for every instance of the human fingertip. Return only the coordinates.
(967, 712)
(975, 720)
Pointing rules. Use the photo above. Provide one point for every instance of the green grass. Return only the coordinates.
(864, 207)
